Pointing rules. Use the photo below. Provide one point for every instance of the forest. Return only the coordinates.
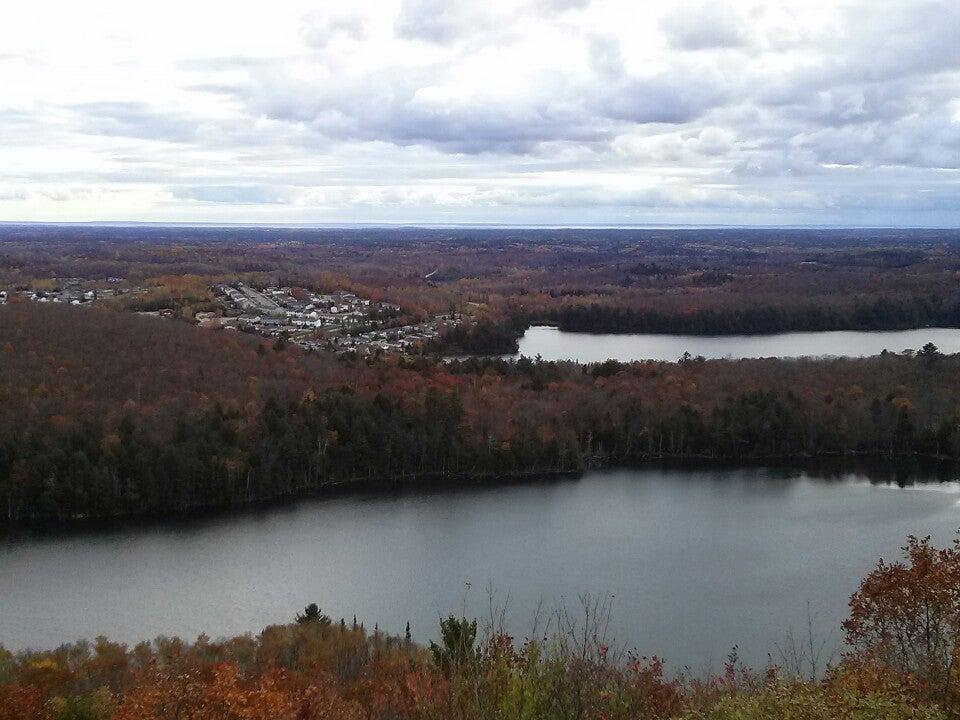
(710, 281)
(105, 413)
(898, 664)
(859, 314)
(109, 413)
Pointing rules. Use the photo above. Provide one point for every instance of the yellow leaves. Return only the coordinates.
(44, 664)
(222, 693)
(902, 403)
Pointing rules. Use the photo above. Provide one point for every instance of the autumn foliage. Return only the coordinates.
(906, 614)
(315, 669)
(105, 413)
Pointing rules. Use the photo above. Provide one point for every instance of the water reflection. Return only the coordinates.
(699, 558)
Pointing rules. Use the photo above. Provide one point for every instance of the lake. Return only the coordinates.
(697, 560)
(554, 344)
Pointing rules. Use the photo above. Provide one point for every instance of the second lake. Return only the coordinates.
(551, 343)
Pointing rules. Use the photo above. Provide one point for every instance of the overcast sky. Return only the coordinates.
(527, 111)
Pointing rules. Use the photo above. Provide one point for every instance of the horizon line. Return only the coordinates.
(469, 225)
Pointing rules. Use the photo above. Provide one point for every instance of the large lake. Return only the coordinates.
(697, 560)
(554, 344)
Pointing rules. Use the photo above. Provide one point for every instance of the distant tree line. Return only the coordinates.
(745, 319)
(483, 337)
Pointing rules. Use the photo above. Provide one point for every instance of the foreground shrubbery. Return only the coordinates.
(315, 669)
(325, 671)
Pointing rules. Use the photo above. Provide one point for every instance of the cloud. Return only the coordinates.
(440, 21)
(13, 193)
(134, 120)
(705, 26)
(677, 96)
(319, 30)
(234, 194)
(606, 56)
(560, 6)
(507, 109)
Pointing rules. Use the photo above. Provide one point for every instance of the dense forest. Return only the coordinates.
(900, 637)
(884, 313)
(107, 413)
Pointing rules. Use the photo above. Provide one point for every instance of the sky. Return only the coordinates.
(574, 112)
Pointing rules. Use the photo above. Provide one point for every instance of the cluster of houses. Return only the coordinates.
(73, 291)
(339, 321)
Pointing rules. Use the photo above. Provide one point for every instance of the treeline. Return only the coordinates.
(483, 337)
(217, 457)
(899, 665)
(103, 414)
(748, 318)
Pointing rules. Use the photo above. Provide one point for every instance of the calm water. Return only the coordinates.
(554, 344)
(698, 561)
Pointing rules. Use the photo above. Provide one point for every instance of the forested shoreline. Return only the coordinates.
(338, 439)
(759, 319)
(92, 426)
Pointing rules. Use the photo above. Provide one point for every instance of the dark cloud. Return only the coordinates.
(397, 106)
(672, 97)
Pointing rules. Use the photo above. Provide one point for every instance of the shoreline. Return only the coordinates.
(879, 467)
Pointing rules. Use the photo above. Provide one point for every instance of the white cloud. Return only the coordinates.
(504, 111)
(705, 25)
(320, 29)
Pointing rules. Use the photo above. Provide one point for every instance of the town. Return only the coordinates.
(73, 291)
(339, 321)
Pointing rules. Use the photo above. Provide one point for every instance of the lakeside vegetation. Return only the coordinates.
(899, 664)
(884, 313)
(108, 414)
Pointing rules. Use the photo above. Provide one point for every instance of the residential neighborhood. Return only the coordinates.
(339, 321)
(75, 291)
(336, 321)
